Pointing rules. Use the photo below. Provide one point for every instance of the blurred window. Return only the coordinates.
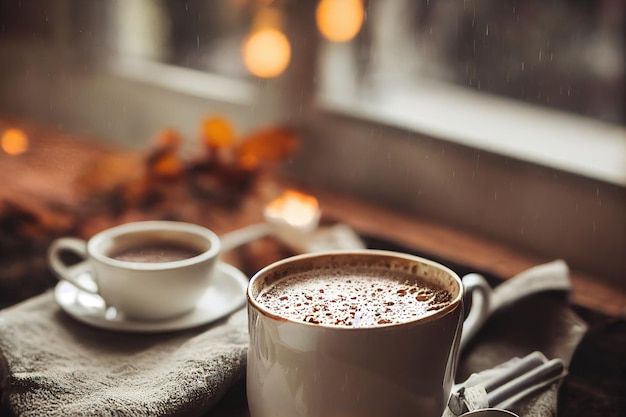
(562, 54)
(537, 81)
(518, 77)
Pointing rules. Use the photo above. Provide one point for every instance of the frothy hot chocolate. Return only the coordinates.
(354, 299)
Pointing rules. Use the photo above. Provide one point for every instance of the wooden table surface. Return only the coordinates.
(56, 160)
(460, 247)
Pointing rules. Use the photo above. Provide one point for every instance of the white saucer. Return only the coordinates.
(226, 294)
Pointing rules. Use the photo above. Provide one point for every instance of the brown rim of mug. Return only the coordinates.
(485, 412)
(455, 303)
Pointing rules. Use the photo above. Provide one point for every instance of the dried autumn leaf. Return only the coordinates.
(164, 161)
(168, 138)
(267, 145)
(112, 171)
(217, 132)
(167, 165)
(123, 173)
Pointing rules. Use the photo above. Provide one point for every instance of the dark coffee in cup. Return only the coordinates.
(357, 296)
(147, 270)
(154, 252)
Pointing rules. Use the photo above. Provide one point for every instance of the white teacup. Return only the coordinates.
(149, 270)
(298, 368)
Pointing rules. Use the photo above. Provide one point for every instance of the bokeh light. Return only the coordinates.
(266, 53)
(295, 208)
(340, 20)
(14, 141)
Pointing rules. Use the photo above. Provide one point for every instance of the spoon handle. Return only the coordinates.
(515, 381)
(526, 364)
(540, 374)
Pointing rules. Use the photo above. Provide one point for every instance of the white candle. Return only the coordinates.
(292, 218)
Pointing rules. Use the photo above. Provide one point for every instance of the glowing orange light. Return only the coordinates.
(14, 142)
(218, 132)
(295, 208)
(266, 53)
(339, 20)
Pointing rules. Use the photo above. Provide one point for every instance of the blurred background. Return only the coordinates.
(505, 119)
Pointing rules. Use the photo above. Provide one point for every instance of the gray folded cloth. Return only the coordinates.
(541, 321)
(52, 365)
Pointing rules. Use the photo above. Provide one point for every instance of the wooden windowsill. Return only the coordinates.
(457, 246)
(50, 164)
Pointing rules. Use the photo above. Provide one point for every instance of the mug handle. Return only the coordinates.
(480, 290)
(80, 274)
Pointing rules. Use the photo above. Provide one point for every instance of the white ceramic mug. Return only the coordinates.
(141, 290)
(314, 370)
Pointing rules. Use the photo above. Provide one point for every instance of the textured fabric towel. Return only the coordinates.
(531, 312)
(53, 365)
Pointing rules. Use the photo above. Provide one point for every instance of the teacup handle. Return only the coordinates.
(480, 309)
(79, 274)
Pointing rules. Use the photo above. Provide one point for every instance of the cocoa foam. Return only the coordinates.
(353, 297)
